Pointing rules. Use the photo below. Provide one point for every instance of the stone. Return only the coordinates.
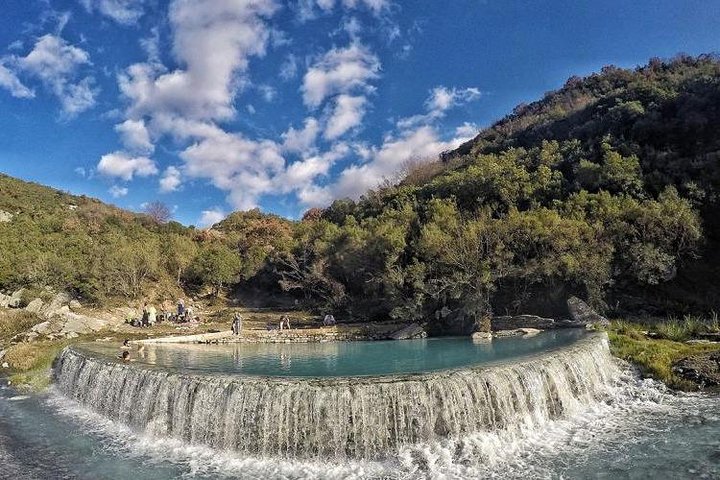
(15, 299)
(58, 305)
(35, 306)
(582, 313)
(521, 321)
(5, 216)
(81, 324)
(2, 354)
(411, 331)
(5, 365)
(74, 305)
(4, 300)
(702, 369)
(482, 336)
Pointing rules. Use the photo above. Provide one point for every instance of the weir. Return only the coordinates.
(360, 417)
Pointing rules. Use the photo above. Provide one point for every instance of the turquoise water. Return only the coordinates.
(339, 359)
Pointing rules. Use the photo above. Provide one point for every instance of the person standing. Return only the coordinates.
(152, 315)
(237, 324)
(285, 322)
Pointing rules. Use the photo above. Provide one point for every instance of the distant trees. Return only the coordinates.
(216, 265)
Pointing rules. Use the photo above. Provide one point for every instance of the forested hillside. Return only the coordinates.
(607, 188)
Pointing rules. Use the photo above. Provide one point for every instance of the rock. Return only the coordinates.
(58, 305)
(583, 314)
(4, 300)
(702, 369)
(5, 365)
(521, 321)
(482, 336)
(71, 335)
(700, 341)
(74, 305)
(35, 306)
(409, 332)
(5, 216)
(15, 299)
(530, 332)
(2, 353)
(81, 324)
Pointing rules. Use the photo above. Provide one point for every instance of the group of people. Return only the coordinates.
(150, 316)
(124, 354)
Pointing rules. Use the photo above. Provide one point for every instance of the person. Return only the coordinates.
(285, 322)
(180, 308)
(328, 320)
(237, 324)
(152, 315)
(145, 316)
(125, 355)
(126, 344)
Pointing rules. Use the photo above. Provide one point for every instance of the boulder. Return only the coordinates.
(15, 299)
(702, 369)
(521, 321)
(5, 216)
(411, 331)
(582, 314)
(74, 305)
(4, 300)
(58, 305)
(80, 324)
(481, 336)
(35, 306)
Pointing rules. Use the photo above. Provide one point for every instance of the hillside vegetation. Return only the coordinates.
(606, 189)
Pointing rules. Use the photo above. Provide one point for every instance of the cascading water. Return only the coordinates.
(364, 417)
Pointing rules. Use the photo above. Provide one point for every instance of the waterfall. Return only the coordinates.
(363, 417)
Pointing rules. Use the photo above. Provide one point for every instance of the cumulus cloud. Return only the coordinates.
(171, 180)
(10, 82)
(135, 136)
(340, 71)
(125, 12)
(210, 217)
(124, 166)
(212, 40)
(348, 113)
(117, 191)
(55, 63)
(300, 141)
(244, 168)
(441, 100)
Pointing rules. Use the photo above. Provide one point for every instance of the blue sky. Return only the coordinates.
(217, 105)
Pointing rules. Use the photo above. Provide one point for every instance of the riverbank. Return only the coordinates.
(657, 347)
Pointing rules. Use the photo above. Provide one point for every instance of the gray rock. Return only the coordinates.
(35, 306)
(702, 369)
(74, 305)
(582, 313)
(2, 354)
(521, 321)
(409, 332)
(81, 324)
(4, 300)
(5, 365)
(5, 216)
(482, 336)
(15, 299)
(58, 305)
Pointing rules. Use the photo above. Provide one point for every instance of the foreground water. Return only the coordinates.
(633, 429)
(640, 431)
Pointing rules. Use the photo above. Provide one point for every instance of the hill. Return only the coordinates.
(606, 188)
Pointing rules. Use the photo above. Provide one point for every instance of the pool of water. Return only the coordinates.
(341, 359)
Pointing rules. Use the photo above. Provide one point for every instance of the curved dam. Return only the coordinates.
(360, 417)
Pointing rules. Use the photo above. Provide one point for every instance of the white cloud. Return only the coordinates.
(268, 93)
(212, 40)
(307, 8)
(124, 166)
(441, 100)
(385, 161)
(170, 180)
(301, 141)
(340, 71)
(135, 136)
(10, 82)
(55, 62)
(210, 217)
(347, 113)
(117, 191)
(126, 12)
(289, 67)
(80, 171)
(244, 168)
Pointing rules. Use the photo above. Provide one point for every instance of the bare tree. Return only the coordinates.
(158, 211)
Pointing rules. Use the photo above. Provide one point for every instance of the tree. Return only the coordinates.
(179, 252)
(158, 211)
(216, 265)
